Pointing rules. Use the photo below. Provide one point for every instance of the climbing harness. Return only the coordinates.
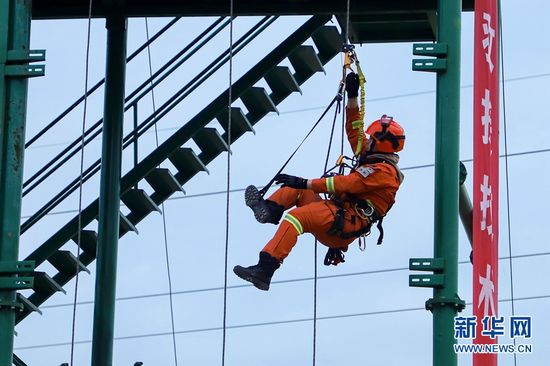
(363, 209)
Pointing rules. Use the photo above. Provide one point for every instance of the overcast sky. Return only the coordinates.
(367, 313)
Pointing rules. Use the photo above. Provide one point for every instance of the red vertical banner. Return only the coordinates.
(486, 178)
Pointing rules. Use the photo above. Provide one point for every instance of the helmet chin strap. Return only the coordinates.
(371, 147)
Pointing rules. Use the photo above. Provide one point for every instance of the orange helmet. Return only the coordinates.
(388, 134)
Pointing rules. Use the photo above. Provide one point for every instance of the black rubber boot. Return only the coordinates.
(261, 273)
(265, 211)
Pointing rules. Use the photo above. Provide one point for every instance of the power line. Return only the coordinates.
(291, 321)
(163, 209)
(187, 292)
(531, 152)
(318, 108)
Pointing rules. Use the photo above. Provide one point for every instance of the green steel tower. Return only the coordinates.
(430, 23)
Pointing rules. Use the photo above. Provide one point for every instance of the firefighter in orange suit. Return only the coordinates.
(359, 199)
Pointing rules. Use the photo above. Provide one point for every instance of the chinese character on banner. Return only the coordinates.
(488, 41)
(486, 119)
(486, 293)
(485, 181)
(486, 205)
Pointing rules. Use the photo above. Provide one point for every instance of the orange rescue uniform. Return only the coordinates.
(377, 183)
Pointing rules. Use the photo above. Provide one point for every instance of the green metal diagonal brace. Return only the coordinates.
(188, 131)
(183, 134)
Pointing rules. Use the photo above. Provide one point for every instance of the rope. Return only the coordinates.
(500, 43)
(337, 110)
(163, 209)
(315, 302)
(264, 190)
(338, 98)
(347, 22)
(230, 97)
(81, 180)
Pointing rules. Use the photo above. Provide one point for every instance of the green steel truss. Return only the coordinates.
(412, 21)
(305, 60)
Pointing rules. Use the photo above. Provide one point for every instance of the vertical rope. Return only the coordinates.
(337, 110)
(163, 209)
(347, 22)
(315, 302)
(347, 42)
(500, 43)
(315, 282)
(229, 102)
(81, 180)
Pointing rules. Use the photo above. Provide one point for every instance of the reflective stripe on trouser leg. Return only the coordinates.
(295, 222)
(284, 240)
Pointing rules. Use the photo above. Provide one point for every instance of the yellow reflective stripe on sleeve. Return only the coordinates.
(330, 185)
(294, 221)
(356, 124)
(359, 143)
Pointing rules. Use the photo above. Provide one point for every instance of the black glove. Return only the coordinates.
(352, 85)
(291, 181)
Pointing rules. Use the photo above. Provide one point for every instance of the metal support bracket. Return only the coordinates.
(430, 64)
(12, 304)
(16, 63)
(10, 282)
(24, 71)
(20, 56)
(427, 280)
(16, 283)
(456, 302)
(9, 267)
(430, 49)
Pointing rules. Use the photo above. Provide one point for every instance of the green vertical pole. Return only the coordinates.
(109, 199)
(444, 304)
(15, 20)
